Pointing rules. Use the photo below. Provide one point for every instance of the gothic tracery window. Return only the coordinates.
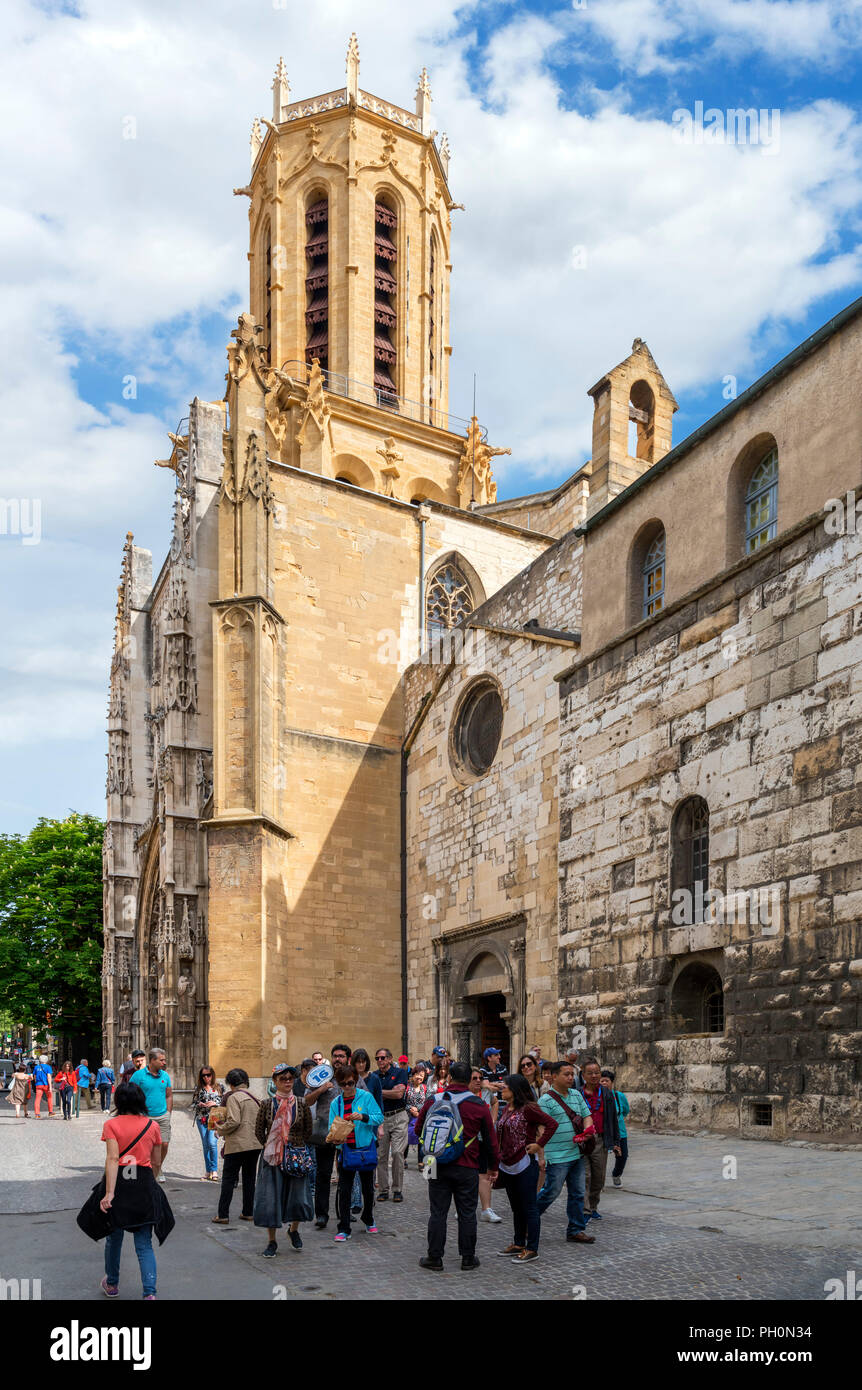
(449, 599)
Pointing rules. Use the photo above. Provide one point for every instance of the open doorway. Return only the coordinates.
(493, 1031)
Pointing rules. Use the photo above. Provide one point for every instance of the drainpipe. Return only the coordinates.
(427, 701)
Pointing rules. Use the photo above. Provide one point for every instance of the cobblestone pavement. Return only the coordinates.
(678, 1229)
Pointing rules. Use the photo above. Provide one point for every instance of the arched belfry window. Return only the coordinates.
(432, 315)
(267, 286)
(317, 281)
(761, 503)
(654, 575)
(642, 422)
(385, 303)
(449, 598)
(690, 858)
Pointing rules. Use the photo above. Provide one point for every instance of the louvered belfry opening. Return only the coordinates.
(267, 289)
(385, 303)
(317, 282)
(431, 311)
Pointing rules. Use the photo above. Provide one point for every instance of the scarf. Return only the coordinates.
(279, 1134)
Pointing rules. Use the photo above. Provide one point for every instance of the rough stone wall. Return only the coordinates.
(552, 513)
(482, 852)
(749, 697)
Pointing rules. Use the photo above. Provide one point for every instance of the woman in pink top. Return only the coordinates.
(134, 1199)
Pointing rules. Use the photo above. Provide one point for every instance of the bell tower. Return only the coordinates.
(632, 424)
(349, 240)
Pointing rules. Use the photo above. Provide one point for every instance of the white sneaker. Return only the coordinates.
(489, 1215)
(160, 1178)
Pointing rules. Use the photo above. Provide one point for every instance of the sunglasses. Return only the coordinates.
(381, 1057)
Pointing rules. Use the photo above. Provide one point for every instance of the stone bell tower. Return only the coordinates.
(349, 239)
(632, 424)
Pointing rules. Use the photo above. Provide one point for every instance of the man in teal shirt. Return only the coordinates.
(156, 1086)
(563, 1157)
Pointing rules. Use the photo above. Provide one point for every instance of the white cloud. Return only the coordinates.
(647, 34)
(105, 240)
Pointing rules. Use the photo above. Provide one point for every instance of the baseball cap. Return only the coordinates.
(283, 1066)
(403, 1061)
(439, 1052)
(491, 1052)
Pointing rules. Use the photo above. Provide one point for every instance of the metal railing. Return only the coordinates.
(340, 385)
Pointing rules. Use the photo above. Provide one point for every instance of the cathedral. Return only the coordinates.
(393, 759)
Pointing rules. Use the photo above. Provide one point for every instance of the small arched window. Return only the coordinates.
(654, 573)
(449, 599)
(697, 999)
(690, 858)
(761, 503)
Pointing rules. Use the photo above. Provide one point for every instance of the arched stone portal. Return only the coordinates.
(481, 990)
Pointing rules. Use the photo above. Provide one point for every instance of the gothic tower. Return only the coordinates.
(349, 240)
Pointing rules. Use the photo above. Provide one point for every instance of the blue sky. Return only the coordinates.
(126, 256)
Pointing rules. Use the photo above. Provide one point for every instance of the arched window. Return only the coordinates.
(697, 999)
(690, 859)
(432, 314)
(317, 281)
(267, 286)
(761, 503)
(654, 569)
(385, 303)
(449, 599)
(642, 422)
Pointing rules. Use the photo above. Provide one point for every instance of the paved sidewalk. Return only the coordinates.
(678, 1229)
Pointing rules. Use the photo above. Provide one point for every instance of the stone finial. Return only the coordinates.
(255, 141)
(280, 92)
(423, 101)
(444, 153)
(353, 70)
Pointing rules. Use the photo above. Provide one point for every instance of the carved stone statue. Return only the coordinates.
(186, 991)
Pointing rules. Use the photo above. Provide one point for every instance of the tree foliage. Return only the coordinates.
(51, 925)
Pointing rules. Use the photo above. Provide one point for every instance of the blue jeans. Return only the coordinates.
(144, 1251)
(209, 1139)
(572, 1174)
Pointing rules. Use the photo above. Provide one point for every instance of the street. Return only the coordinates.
(790, 1220)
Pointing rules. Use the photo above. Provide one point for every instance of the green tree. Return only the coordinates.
(51, 926)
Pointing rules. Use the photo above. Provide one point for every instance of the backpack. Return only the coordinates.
(442, 1136)
(40, 1074)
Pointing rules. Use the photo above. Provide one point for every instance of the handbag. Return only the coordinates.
(356, 1160)
(587, 1145)
(296, 1161)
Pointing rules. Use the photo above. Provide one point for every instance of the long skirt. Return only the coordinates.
(280, 1198)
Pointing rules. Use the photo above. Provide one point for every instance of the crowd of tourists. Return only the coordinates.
(73, 1087)
(347, 1127)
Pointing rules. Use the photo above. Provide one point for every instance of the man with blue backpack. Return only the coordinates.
(456, 1134)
